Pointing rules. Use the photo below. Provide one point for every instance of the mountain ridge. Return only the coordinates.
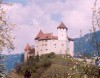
(85, 44)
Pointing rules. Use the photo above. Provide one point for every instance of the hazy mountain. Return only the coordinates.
(11, 60)
(85, 44)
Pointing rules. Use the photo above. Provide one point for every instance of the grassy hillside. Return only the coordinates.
(57, 66)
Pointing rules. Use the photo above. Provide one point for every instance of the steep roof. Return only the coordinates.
(40, 34)
(31, 50)
(62, 25)
(45, 36)
(27, 47)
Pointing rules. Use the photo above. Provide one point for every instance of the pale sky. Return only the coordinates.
(32, 15)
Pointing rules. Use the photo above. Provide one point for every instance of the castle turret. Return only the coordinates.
(27, 50)
(62, 32)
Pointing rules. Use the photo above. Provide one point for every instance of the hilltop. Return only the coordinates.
(57, 66)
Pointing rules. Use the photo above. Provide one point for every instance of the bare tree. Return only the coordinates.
(95, 24)
(6, 39)
(96, 15)
(80, 45)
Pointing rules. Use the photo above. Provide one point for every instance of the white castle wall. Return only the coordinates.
(62, 34)
(47, 46)
(26, 56)
(71, 48)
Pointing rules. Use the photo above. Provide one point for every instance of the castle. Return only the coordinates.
(47, 42)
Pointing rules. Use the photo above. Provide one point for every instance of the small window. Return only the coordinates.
(45, 44)
(42, 44)
(62, 44)
(46, 49)
(55, 44)
(41, 50)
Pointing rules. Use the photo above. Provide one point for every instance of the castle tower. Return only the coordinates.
(27, 50)
(62, 32)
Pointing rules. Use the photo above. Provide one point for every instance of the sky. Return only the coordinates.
(32, 15)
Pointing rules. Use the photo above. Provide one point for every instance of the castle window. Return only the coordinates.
(41, 50)
(46, 49)
(45, 40)
(45, 44)
(55, 44)
(62, 34)
(42, 44)
(62, 44)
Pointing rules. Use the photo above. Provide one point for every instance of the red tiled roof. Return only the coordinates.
(31, 50)
(55, 37)
(62, 26)
(46, 36)
(40, 34)
(27, 47)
